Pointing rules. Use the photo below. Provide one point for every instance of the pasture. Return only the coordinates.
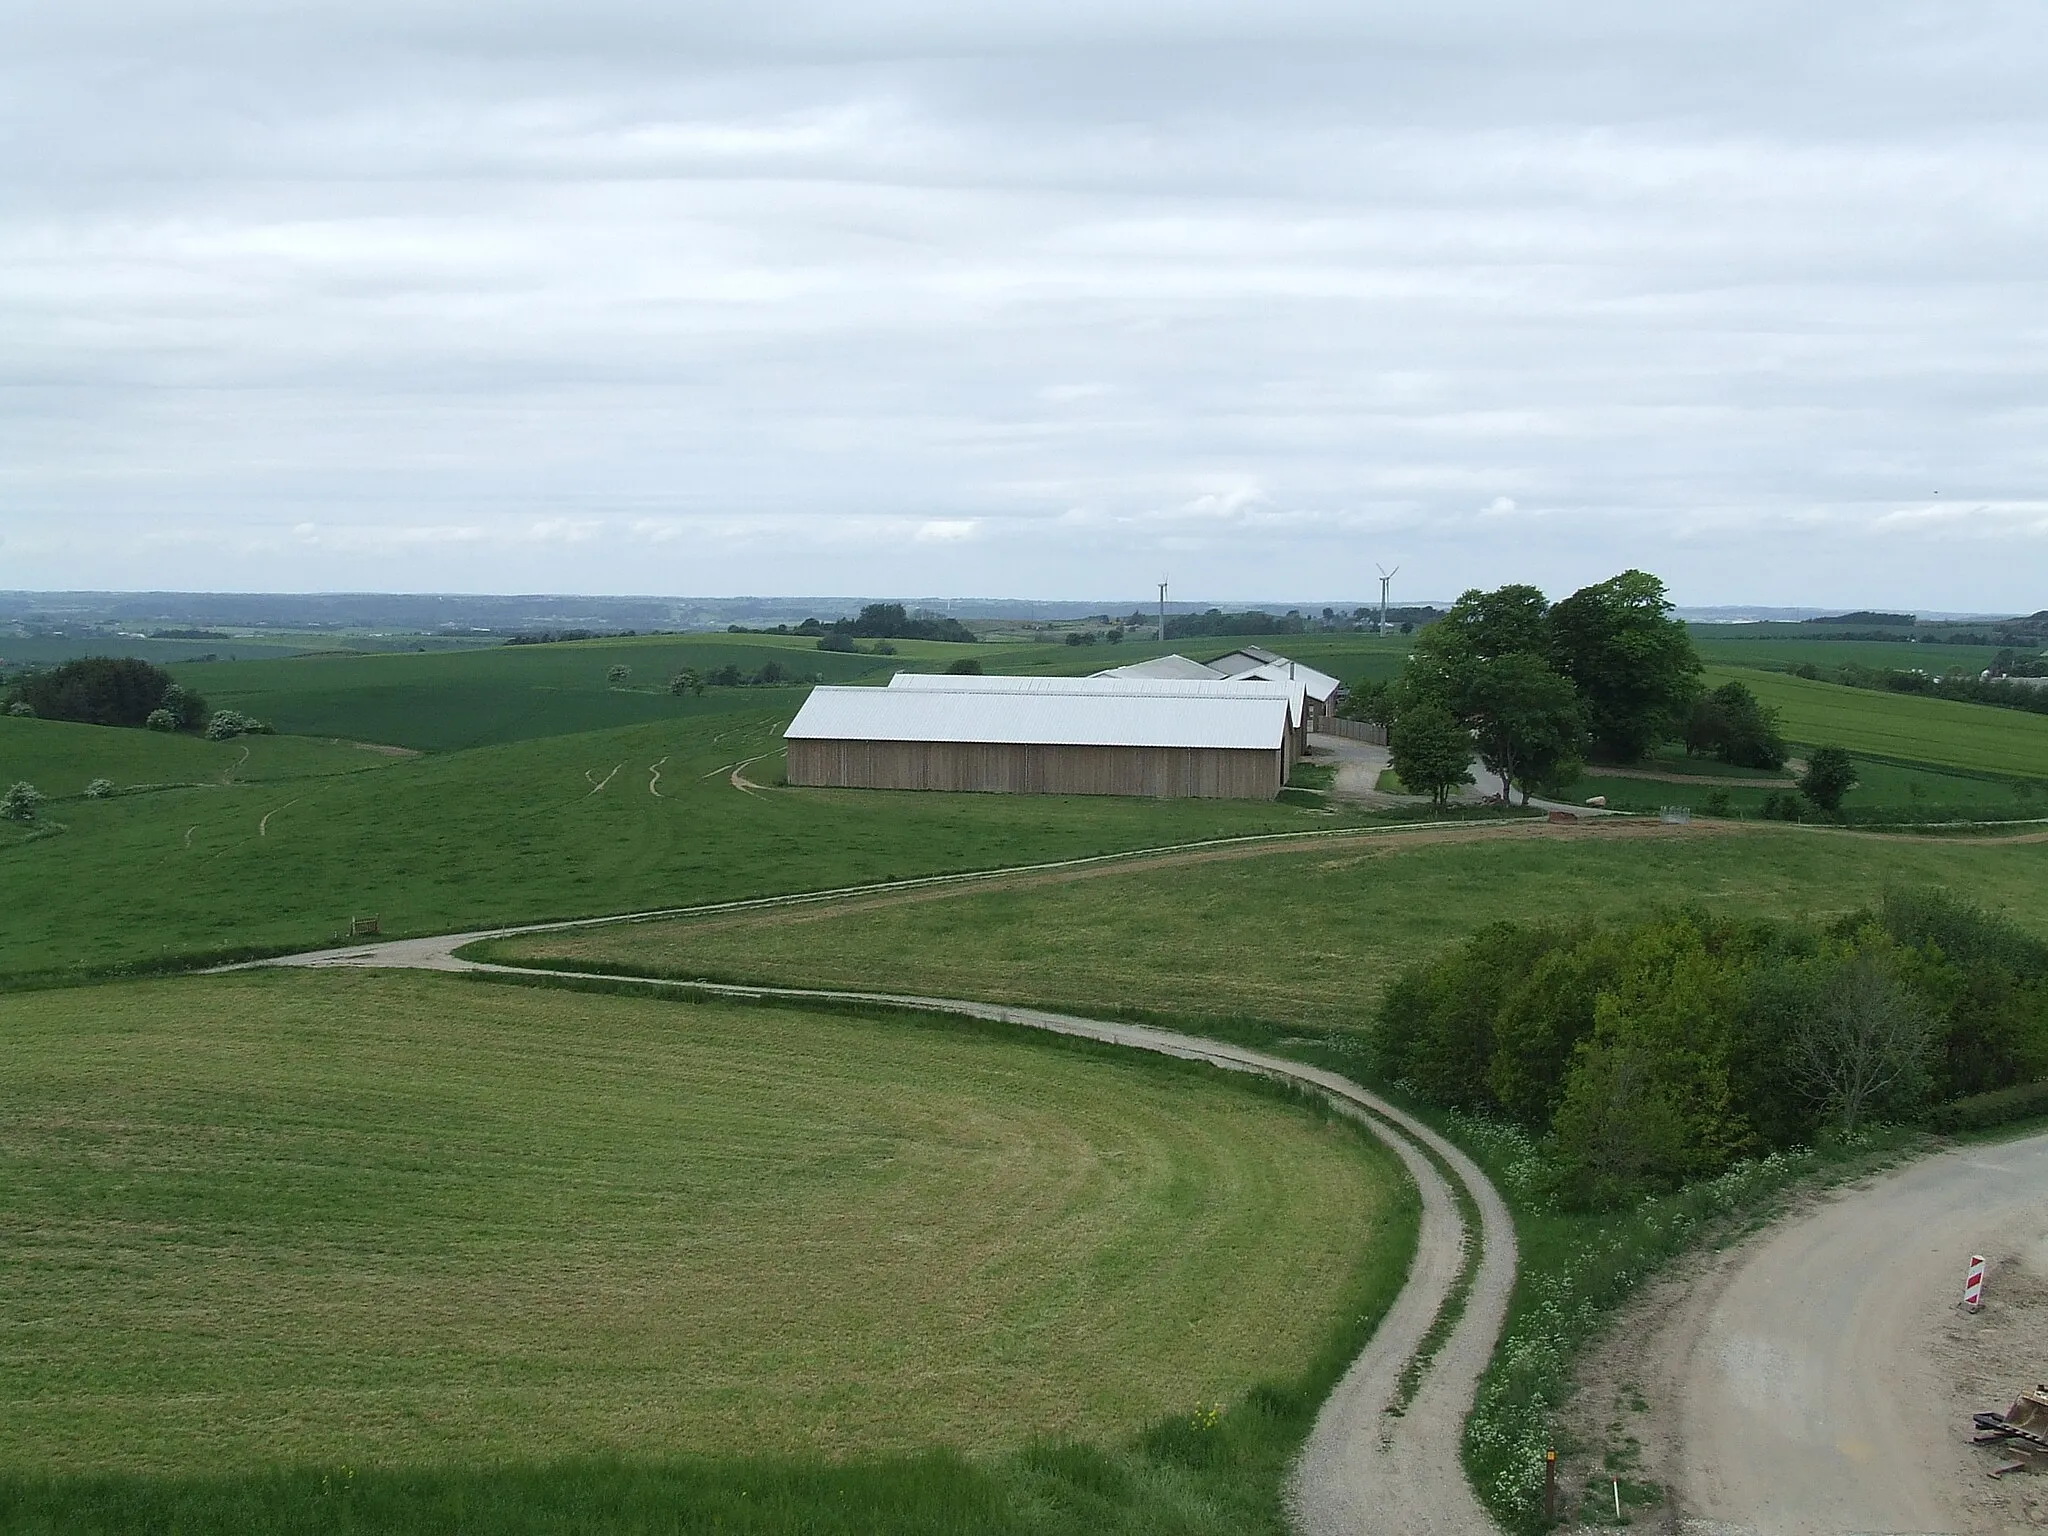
(1303, 939)
(556, 826)
(402, 1221)
(1903, 727)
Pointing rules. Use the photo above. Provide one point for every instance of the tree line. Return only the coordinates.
(123, 691)
(1651, 1053)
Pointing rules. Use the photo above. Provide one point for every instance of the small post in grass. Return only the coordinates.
(1550, 1484)
(1617, 1499)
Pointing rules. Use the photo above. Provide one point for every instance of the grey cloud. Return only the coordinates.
(1027, 299)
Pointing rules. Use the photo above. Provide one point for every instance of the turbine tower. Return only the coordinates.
(1162, 613)
(1386, 580)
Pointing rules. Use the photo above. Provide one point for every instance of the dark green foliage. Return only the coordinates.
(968, 666)
(891, 621)
(1829, 776)
(1664, 1052)
(1370, 699)
(1633, 664)
(20, 802)
(1431, 751)
(836, 641)
(2023, 1101)
(1781, 805)
(686, 682)
(99, 690)
(1732, 724)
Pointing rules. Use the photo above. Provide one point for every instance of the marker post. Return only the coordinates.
(1973, 1286)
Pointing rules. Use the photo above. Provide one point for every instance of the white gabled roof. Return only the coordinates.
(1245, 658)
(1107, 686)
(1320, 685)
(1069, 717)
(1164, 667)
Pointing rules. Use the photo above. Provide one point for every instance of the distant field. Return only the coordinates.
(1940, 732)
(388, 1221)
(60, 758)
(1302, 938)
(559, 826)
(1898, 792)
(48, 650)
(1737, 645)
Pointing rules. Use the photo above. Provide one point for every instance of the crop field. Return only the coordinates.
(60, 758)
(558, 826)
(347, 1219)
(1302, 938)
(1736, 645)
(1938, 732)
(1882, 788)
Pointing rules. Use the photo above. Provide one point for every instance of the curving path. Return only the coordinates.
(1364, 1469)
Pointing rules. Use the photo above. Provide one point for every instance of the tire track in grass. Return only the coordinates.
(263, 826)
(654, 771)
(600, 783)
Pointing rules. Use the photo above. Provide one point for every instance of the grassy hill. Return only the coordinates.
(1902, 727)
(1329, 925)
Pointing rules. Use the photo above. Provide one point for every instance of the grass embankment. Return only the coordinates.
(562, 826)
(544, 1258)
(1304, 938)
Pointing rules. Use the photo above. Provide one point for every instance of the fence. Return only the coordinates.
(1356, 730)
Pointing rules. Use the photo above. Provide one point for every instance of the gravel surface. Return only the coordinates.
(1818, 1379)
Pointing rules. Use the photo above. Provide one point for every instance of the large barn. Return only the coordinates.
(1051, 736)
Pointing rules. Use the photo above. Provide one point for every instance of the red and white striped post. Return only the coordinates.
(1973, 1287)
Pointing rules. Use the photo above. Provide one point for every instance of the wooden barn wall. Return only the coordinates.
(1168, 772)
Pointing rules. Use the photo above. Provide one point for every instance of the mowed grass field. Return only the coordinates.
(388, 1221)
(1299, 939)
(1903, 727)
(558, 826)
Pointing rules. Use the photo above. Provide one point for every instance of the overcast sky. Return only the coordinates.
(915, 296)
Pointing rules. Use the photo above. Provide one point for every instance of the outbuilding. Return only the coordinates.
(1053, 736)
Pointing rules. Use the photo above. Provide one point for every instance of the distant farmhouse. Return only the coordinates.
(1170, 728)
(1249, 664)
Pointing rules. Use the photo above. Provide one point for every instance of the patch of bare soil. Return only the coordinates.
(1987, 1359)
(383, 749)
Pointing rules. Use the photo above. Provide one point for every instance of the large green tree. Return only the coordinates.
(1431, 750)
(1633, 664)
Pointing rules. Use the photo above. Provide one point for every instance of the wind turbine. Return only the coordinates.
(1162, 613)
(1386, 580)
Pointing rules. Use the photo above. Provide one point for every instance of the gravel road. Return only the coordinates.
(1818, 1380)
(1364, 1470)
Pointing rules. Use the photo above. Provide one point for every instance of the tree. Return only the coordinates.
(1372, 701)
(1431, 751)
(1829, 776)
(1483, 625)
(1866, 1044)
(186, 708)
(1632, 663)
(686, 681)
(617, 673)
(1527, 721)
(97, 690)
(1736, 726)
(226, 723)
(160, 720)
(967, 666)
(20, 802)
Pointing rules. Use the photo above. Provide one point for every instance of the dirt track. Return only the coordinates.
(1818, 1379)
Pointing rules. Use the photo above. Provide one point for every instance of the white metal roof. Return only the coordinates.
(1178, 667)
(1319, 684)
(1245, 658)
(1106, 686)
(1044, 717)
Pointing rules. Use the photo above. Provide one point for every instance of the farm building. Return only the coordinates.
(1295, 693)
(1054, 736)
(1164, 668)
(1256, 662)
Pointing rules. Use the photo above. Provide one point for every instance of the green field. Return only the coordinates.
(334, 1251)
(1885, 789)
(561, 826)
(1303, 939)
(1738, 645)
(1903, 727)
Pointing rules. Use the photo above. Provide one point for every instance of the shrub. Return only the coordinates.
(227, 723)
(968, 666)
(1829, 776)
(837, 641)
(1717, 803)
(686, 681)
(617, 673)
(160, 720)
(1781, 805)
(2022, 1101)
(20, 802)
(22, 709)
(99, 789)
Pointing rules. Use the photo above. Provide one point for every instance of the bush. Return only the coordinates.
(2022, 1101)
(20, 802)
(617, 673)
(22, 709)
(99, 789)
(686, 681)
(837, 641)
(228, 723)
(160, 720)
(968, 666)
(1781, 805)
